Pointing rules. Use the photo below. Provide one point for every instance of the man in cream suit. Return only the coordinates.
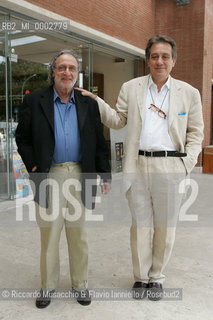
(163, 140)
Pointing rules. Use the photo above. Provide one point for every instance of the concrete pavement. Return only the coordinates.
(190, 268)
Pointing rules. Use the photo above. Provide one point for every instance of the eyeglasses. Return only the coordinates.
(64, 68)
(160, 112)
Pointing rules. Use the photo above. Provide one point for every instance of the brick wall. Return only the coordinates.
(208, 72)
(185, 24)
(128, 20)
(191, 26)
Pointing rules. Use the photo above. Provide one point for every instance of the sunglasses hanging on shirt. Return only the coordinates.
(154, 108)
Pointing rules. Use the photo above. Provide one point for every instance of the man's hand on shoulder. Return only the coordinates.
(86, 93)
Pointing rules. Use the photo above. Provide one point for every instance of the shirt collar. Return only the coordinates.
(72, 96)
(167, 84)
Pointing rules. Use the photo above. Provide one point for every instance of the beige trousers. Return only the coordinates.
(154, 201)
(65, 209)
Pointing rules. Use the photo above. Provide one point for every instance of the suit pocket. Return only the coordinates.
(180, 166)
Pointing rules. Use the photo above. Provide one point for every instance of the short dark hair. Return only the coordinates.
(55, 57)
(161, 38)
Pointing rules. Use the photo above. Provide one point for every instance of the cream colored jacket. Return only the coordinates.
(185, 121)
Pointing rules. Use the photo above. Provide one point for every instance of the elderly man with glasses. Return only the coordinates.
(59, 137)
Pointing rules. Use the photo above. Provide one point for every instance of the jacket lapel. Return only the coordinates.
(141, 93)
(174, 102)
(47, 105)
(82, 108)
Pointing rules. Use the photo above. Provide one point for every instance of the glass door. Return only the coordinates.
(24, 60)
(7, 187)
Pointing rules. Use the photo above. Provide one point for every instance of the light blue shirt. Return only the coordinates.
(67, 136)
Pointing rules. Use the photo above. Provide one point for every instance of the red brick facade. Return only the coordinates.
(191, 26)
(128, 20)
(207, 90)
(135, 21)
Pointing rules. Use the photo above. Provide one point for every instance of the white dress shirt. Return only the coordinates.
(154, 133)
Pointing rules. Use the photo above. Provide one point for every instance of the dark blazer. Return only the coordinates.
(35, 136)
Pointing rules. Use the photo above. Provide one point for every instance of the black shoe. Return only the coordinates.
(139, 290)
(155, 291)
(44, 299)
(82, 296)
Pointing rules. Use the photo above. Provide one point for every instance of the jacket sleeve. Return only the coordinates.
(194, 134)
(23, 135)
(114, 118)
(102, 151)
